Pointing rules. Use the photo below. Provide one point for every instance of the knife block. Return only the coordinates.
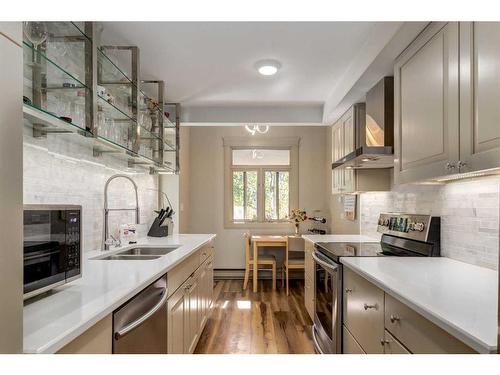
(158, 230)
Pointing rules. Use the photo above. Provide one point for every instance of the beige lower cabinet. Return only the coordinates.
(393, 346)
(380, 324)
(349, 343)
(96, 340)
(418, 334)
(363, 312)
(309, 279)
(190, 305)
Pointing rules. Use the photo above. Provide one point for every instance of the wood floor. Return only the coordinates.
(264, 322)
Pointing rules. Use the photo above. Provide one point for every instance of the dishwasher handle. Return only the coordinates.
(136, 323)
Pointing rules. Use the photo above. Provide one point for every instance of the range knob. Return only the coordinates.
(418, 227)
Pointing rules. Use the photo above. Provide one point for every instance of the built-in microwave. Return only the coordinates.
(52, 247)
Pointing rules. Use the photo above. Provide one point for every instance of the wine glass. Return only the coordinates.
(35, 32)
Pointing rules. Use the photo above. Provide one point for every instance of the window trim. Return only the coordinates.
(230, 143)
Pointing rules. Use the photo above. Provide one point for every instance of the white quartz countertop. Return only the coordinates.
(458, 297)
(55, 320)
(315, 238)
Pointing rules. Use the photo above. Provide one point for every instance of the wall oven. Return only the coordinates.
(52, 247)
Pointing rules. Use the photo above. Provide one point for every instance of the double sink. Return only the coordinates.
(140, 253)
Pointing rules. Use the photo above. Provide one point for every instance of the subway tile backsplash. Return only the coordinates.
(469, 212)
(59, 170)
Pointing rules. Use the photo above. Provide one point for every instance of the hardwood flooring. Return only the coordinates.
(264, 322)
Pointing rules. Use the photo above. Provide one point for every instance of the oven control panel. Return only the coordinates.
(416, 227)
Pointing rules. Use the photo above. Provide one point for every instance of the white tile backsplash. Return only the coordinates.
(57, 169)
(468, 209)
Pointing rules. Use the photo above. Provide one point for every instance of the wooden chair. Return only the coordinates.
(264, 260)
(294, 245)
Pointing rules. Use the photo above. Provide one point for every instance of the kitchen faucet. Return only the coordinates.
(105, 235)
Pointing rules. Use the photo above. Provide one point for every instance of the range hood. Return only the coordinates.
(374, 132)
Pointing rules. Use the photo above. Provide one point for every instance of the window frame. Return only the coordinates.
(231, 143)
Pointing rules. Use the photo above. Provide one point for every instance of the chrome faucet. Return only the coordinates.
(105, 235)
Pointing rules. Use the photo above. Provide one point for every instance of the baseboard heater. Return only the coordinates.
(239, 274)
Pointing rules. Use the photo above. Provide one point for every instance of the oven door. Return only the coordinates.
(327, 286)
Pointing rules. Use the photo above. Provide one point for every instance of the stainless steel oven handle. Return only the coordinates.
(330, 266)
(316, 342)
(142, 319)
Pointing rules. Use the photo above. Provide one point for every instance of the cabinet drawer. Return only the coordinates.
(363, 311)
(206, 252)
(179, 274)
(393, 346)
(349, 343)
(418, 334)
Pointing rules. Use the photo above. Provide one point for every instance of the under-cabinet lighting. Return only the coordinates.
(468, 175)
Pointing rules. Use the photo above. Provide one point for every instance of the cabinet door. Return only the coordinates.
(178, 308)
(363, 312)
(210, 285)
(337, 153)
(203, 296)
(393, 346)
(192, 295)
(479, 95)
(309, 278)
(349, 344)
(349, 135)
(426, 105)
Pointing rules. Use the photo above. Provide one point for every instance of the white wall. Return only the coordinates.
(58, 169)
(11, 182)
(206, 190)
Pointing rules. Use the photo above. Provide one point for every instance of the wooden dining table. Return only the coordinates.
(264, 241)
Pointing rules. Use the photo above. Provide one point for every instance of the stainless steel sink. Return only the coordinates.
(148, 251)
(130, 257)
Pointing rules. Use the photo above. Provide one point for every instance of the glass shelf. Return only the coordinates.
(51, 89)
(44, 122)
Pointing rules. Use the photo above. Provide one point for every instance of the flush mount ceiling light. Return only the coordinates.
(268, 67)
(253, 129)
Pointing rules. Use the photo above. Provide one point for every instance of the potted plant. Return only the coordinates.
(297, 216)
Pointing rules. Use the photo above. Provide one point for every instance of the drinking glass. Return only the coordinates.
(35, 32)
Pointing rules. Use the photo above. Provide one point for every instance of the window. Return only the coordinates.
(261, 185)
(276, 195)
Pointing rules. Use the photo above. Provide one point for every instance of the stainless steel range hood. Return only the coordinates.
(375, 131)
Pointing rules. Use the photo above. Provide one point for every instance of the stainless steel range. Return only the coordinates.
(402, 235)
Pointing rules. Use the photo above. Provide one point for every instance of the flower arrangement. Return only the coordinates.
(297, 216)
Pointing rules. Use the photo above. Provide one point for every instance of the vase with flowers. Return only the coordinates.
(297, 216)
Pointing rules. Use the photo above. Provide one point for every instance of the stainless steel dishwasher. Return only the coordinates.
(140, 325)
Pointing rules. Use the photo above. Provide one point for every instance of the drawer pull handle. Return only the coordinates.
(348, 290)
(367, 306)
(395, 318)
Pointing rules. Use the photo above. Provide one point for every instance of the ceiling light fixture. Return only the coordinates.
(253, 129)
(268, 67)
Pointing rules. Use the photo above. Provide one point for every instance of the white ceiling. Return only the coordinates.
(212, 63)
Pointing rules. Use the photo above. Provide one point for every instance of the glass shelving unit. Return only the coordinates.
(117, 114)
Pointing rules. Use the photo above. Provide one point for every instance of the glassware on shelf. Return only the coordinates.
(35, 32)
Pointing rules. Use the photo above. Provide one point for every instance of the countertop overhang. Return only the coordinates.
(51, 322)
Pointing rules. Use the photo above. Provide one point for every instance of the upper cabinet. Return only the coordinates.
(426, 105)
(347, 179)
(447, 83)
(479, 95)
